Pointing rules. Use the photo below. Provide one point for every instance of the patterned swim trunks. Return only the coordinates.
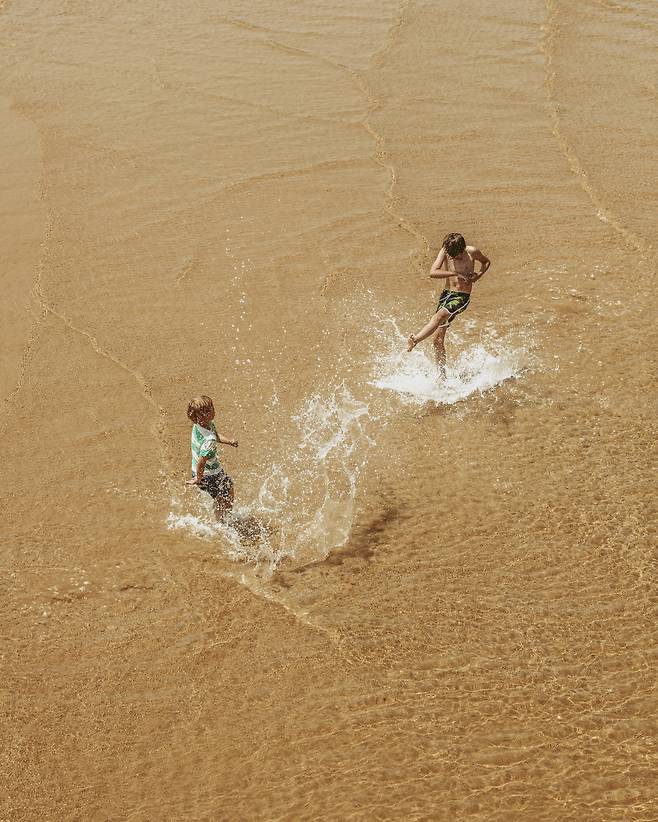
(217, 485)
(453, 301)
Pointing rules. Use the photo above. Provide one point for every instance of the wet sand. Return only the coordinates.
(451, 613)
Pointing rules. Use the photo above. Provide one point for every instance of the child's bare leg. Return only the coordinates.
(440, 350)
(439, 319)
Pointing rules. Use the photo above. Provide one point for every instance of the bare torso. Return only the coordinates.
(458, 274)
(463, 267)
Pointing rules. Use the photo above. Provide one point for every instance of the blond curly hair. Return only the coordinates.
(199, 406)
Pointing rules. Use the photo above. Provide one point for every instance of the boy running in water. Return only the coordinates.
(207, 471)
(456, 265)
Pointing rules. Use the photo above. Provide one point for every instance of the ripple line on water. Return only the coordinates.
(602, 211)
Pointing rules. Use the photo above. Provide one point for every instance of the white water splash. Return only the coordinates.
(304, 508)
(311, 492)
(253, 549)
(476, 369)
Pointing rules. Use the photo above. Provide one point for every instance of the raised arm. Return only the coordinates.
(435, 271)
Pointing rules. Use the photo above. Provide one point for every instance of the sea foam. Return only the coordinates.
(477, 368)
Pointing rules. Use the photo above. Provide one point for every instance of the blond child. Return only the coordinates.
(207, 472)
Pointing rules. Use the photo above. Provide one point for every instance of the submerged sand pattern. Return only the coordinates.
(450, 610)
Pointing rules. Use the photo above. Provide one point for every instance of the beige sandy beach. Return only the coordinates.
(438, 602)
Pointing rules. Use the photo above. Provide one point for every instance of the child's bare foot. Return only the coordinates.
(411, 343)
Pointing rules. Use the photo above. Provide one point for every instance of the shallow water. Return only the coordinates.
(436, 600)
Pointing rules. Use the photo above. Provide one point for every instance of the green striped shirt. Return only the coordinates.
(204, 444)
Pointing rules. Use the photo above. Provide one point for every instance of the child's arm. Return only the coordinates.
(435, 272)
(484, 261)
(234, 443)
(200, 468)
